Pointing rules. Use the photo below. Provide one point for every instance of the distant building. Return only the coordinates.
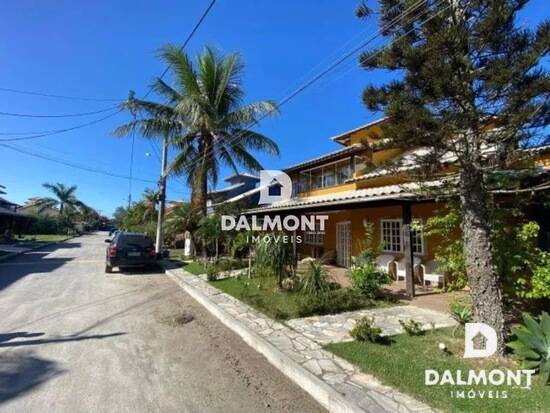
(244, 188)
(11, 217)
(33, 207)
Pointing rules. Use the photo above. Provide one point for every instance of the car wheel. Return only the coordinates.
(108, 269)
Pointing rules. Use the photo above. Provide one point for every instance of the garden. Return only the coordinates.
(401, 362)
(282, 287)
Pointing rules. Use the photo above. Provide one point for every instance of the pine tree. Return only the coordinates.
(469, 78)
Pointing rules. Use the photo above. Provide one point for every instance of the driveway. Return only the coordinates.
(73, 339)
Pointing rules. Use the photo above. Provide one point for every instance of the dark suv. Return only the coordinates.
(129, 249)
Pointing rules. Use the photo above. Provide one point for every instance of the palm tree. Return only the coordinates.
(64, 198)
(179, 219)
(149, 202)
(204, 117)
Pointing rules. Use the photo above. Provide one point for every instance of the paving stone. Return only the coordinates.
(301, 341)
(328, 365)
(313, 366)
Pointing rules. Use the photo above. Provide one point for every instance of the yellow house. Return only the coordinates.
(364, 182)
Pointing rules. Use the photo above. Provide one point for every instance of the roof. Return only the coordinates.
(241, 175)
(409, 190)
(537, 149)
(6, 211)
(408, 161)
(348, 150)
(340, 137)
(6, 202)
(227, 188)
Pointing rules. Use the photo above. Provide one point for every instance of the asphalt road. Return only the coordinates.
(74, 339)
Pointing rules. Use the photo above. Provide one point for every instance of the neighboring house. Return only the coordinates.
(33, 207)
(364, 182)
(243, 188)
(11, 217)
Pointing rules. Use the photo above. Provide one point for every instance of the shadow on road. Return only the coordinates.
(53, 340)
(22, 371)
(17, 334)
(32, 262)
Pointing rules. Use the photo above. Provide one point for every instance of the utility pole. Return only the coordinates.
(162, 196)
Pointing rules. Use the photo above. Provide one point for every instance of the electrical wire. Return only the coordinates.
(185, 43)
(65, 115)
(71, 164)
(58, 131)
(80, 166)
(28, 92)
(342, 59)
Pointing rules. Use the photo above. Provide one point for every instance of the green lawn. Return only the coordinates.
(194, 267)
(401, 364)
(262, 294)
(46, 237)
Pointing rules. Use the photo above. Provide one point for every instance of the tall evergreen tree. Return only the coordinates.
(469, 79)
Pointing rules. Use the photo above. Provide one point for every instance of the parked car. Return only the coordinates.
(129, 249)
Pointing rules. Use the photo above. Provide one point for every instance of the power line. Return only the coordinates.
(28, 92)
(187, 40)
(316, 78)
(71, 164)
(65, 115)
(340, 61)
(83, 167)
(58, 131)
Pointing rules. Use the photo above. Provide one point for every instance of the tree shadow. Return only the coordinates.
(32, 262)
(53, 340)
(17, 334)
(22, 371)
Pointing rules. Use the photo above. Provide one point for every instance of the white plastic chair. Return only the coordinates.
(384, 262)
(431, 273)
(401, 267)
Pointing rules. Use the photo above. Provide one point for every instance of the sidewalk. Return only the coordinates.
(333, 382)
(334, 328)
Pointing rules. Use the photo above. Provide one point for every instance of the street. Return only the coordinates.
(74, 339)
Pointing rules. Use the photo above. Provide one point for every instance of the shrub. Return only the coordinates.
(366, 278)
(412, 327)
(335, 301)
(275, 257)
(461, 310)
(291, 283)
(212, 271)
(532, 345)
(366, 330)
(448, 250)
(540, 281)
(315, 280)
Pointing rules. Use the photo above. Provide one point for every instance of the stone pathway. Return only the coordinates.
(362, 391)
(335, 328)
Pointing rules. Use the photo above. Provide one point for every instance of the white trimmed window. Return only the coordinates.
(417, 237)
(391, 235)
(316, 237)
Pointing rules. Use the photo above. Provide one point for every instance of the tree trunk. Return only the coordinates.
(485, 285)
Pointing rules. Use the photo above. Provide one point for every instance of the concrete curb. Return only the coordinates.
(319, 390)
(16, 254)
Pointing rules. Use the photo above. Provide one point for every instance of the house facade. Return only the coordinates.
(366, 183)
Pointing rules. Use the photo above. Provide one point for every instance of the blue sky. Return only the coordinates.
(105, 48)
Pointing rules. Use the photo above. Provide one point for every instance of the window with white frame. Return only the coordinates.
(391, 235)
(316, 237)
(417, 237)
